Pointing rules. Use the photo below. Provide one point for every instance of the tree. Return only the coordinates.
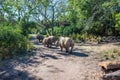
(97, 16)
(47, 13)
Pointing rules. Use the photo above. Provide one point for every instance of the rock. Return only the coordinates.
(112, 76)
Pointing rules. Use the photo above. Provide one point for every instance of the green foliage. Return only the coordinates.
(66, 31)
(117, 26)
(96, 17)
(12, 41)
(58, 31)
(28, 27)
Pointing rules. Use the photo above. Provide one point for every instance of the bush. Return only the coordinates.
(28, 27)
(58, 31)
(12, 41)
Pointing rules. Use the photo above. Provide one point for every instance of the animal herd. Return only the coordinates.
(63, 42)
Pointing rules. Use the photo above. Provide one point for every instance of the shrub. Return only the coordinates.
(58, 31)
(12, 41)
(28, 27)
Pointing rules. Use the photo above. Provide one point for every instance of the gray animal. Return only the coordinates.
(47, 42)
(53, 39)
(65, 42)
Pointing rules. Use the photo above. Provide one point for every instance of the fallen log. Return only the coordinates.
(112, 76)
(109, 65)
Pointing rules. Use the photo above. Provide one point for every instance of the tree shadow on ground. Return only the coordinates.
(13, 74)
(79, 54)
(53, 47)
(37, 43)
(48, 56)
(8, 67)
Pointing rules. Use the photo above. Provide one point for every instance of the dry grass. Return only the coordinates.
(107, 51)
(110, 51)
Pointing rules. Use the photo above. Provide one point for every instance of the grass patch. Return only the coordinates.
(111, 53)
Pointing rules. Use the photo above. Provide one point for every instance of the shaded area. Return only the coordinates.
(53, 47)
(48, 56)
(8, 69)
(36, 42)
(78, 54)
(12, 74)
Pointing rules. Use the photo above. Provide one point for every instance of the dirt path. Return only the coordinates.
(52, 64)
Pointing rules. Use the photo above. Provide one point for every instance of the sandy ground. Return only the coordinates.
(52, 64)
